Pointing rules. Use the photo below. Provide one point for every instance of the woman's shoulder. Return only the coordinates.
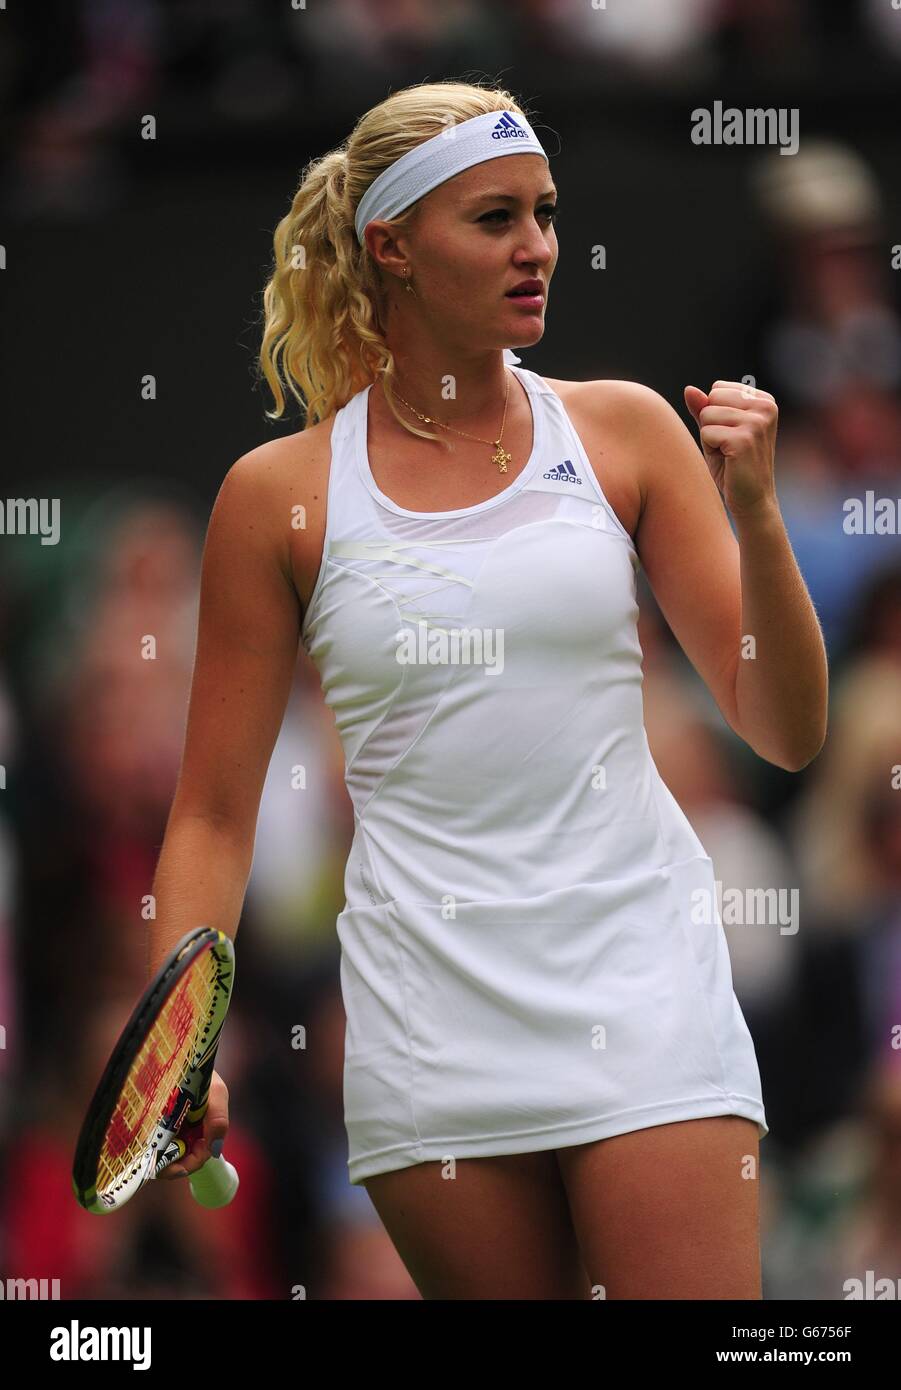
(285, 448)
(626, 413)
(296, 462)
(610, 393)
(280, 487)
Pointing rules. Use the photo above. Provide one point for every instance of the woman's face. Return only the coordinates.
(476, 237)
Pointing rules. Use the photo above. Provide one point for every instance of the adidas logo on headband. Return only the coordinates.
(507, 129)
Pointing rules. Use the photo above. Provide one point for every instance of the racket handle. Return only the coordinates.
(215, 1184)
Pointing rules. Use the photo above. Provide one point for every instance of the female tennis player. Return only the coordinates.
(550, 1090)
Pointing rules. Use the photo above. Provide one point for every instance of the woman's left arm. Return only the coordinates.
(738, 607)
(782, 676)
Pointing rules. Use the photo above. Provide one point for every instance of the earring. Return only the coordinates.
(407, 285)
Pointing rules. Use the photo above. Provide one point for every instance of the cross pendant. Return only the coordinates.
(501, 457)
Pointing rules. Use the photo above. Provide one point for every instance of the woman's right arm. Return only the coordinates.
(244, 663)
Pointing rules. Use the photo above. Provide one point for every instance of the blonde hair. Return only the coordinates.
(322, 336)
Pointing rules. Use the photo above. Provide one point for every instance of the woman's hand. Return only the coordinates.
(199, 1137)
(737, 425)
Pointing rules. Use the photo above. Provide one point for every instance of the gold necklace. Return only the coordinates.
(500, 456)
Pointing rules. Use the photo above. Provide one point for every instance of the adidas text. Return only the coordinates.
(563, 473)
(507, 129)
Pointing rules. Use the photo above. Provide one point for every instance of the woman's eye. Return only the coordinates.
(549, 210)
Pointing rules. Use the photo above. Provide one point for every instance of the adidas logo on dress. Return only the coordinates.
(563, 473)
(507, 129)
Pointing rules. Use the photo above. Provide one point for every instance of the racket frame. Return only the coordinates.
(190, 1100)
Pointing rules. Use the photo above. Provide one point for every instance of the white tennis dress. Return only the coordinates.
(531, 950)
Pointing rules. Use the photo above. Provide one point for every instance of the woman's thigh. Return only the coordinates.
(495, 1228)
(670, 1211)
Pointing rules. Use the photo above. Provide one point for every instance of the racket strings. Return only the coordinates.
(159, 1070)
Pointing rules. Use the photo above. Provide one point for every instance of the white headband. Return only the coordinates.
(434, 161)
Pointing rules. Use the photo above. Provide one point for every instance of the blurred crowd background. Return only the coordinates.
(125, 257)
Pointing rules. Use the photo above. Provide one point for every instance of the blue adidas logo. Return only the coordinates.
(507, 129)
(563, 473)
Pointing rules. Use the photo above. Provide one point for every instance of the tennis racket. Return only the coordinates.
(151, 1099)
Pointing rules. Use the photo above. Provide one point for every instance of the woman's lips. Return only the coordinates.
(528, 301)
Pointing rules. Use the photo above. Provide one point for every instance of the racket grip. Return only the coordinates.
(215, 1184)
